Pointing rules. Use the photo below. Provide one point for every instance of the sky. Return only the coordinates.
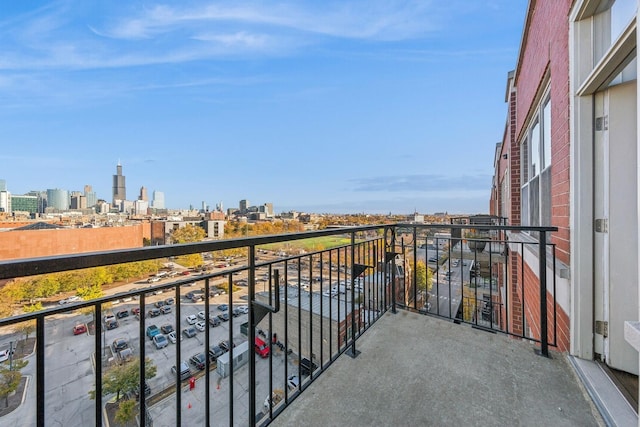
(333, 106)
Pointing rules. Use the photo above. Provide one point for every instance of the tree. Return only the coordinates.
(187, 234)
(89, 292)
(10, 379)
(124, 378)
(126, 411)
(424, 277)
(26, 328)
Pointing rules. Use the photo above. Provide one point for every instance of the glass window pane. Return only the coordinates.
(546, 134)
(524, 162)
(622, 12)
(535, 150)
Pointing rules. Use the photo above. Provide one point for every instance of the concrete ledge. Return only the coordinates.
(612, 405)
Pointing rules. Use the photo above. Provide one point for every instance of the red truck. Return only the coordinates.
(261, 348)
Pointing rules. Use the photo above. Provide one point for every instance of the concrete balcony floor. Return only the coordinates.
(421, 371)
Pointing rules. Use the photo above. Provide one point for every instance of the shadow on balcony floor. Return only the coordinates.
(417, 370)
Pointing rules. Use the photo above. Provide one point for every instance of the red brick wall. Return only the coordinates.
(39, 243)
(546, 48)
(558, 323)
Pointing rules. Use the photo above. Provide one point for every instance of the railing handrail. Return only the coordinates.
(53, 264)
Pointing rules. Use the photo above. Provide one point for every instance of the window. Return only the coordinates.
(536, 169)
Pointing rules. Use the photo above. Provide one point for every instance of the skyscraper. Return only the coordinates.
(158, 200)
(119, 186)
(143, 194)
(90, 195)
(244, 205)
(58, 199)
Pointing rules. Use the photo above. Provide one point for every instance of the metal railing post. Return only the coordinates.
(40, 374)
(353, 352)
(542, 256)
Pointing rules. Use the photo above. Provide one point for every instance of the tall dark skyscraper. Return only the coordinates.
(119, 186)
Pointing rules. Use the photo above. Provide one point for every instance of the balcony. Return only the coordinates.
(407, 318)
(418, 370)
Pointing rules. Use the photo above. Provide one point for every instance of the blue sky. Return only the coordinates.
(320, 106)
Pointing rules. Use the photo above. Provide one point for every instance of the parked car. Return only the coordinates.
(154, 312)
(160, 341)
(119, 344)
(159, 304)
(192, 319)
(69, 300)
(223, 316)
(236, 312)
(185, 371)
(125, 355)
(4, 354)
(198, 360)
(224, 345)
(201, 315)
(80, 329)
(169, 301)
(307, 366)
(261, 348)
(293, 382)
(189, 332)
(244, 309)
(166, 328)
(223, 307)
(173, 337)
(201, 325)
(147, 391)
(165, 309)
(152, 330)
(111, 324)
(122, 313)
(214, 321)
(135, 310)
(215, 352)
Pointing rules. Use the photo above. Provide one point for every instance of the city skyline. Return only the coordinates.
(339, 108)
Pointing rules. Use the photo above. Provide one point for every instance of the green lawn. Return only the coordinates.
(311, 245)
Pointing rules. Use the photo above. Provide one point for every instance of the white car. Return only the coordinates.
(244, 309)
(4, 355)
(69, 300)
(201, 326)
(173, 337)
(201, 315)
(191, 319)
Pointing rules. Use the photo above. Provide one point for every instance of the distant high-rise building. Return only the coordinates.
(158, 200)
(58, 199)
(205, 207)
(42, 199)
(3, 185)
(244, 205)
(119, 186)
(78, 201)
(141, 207)
(90, 195)
(24, 204)
(5, 201)
(143, 194)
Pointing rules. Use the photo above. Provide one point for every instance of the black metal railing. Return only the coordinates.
(304, 308)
